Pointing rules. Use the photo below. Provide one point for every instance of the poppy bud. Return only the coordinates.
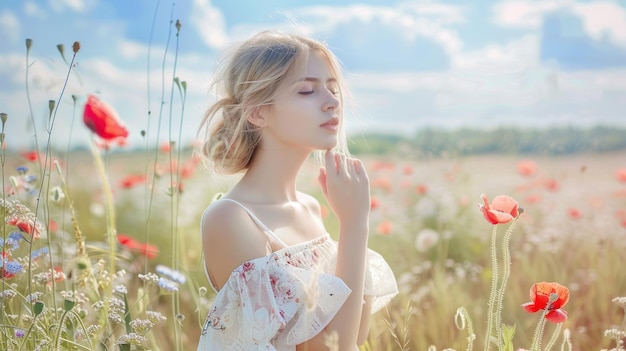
(61, 49)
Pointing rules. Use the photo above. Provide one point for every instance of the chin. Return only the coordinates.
(329, 145)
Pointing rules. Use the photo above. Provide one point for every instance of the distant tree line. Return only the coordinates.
(509, 140)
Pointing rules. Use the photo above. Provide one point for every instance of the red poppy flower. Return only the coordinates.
(533, 199)
(551, 184)
(407, 170)
(57, 274)
(166, 147)
(128, 241)
(374, 203)
(25, 225)
(620, 175)
(540, 296)
(502, 209)
(101, 119)
(131, 180)
(527, 168)
(385, 227)
(53, 226)
(382, 165)
(31, 155)
(5, 274)
(148, 250)
(421, 189)
(134, 245)
(188, 169)
(5, 257)
(382, 183)
(574, 213)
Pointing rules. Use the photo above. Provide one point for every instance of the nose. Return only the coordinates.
(332, 102)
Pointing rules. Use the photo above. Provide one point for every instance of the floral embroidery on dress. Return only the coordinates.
(283, 299)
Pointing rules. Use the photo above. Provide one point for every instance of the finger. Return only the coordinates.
(359, 168)
(322, 180)
(361, 171)
(330, 161)
(342, 164)
(349, 166)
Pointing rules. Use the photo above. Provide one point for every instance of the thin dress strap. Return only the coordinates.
(258, 222)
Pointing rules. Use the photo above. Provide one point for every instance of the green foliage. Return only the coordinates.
(508, 332)
(504, 140)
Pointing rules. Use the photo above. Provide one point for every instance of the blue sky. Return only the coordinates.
(410, 64)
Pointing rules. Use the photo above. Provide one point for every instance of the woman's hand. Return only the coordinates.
(345, 185)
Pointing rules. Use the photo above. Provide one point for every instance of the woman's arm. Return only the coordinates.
(346, 187)
(364, 328)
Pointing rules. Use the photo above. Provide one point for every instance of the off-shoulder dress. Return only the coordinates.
(283, 299)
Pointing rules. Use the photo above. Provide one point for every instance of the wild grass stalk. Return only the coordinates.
(463, 321)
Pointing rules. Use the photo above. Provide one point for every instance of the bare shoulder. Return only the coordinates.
(229, 238)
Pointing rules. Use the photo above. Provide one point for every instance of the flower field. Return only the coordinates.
(64, 283)
(100, 249)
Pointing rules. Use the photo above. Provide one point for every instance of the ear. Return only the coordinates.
(258, 117)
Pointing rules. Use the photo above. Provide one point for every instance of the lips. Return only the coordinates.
(333, 122)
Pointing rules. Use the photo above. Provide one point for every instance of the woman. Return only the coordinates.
(282, 282)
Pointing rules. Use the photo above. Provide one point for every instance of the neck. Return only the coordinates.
(271, 177)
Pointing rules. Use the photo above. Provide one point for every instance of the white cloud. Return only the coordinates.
(33, 10)
(513, 55)
(442, 13)
(536, 96)
(603, 18)
(527, 14)
(210, 23)
(132, 50)
(599, 17)
(73, 5)
(408, 20)
(9, 26)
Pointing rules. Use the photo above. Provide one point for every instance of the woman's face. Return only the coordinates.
(306, 114)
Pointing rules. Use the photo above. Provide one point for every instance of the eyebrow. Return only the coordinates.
(316, 80)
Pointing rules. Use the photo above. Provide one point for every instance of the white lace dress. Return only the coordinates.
(287, 297)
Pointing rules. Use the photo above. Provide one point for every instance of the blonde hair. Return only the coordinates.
(250, 77)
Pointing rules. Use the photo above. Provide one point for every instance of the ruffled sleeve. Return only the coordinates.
(267, 303)
(380, 282)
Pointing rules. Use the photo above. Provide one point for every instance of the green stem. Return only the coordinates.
(536, 345)
(566, 340)
(174, 189)
(506, 272)
(554, 337)
(150, 195)
(106, 189)
(494, 284)
(28, 331)
(466, 321)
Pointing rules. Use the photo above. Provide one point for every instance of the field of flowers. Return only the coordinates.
(100, 249)
(64, 284)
